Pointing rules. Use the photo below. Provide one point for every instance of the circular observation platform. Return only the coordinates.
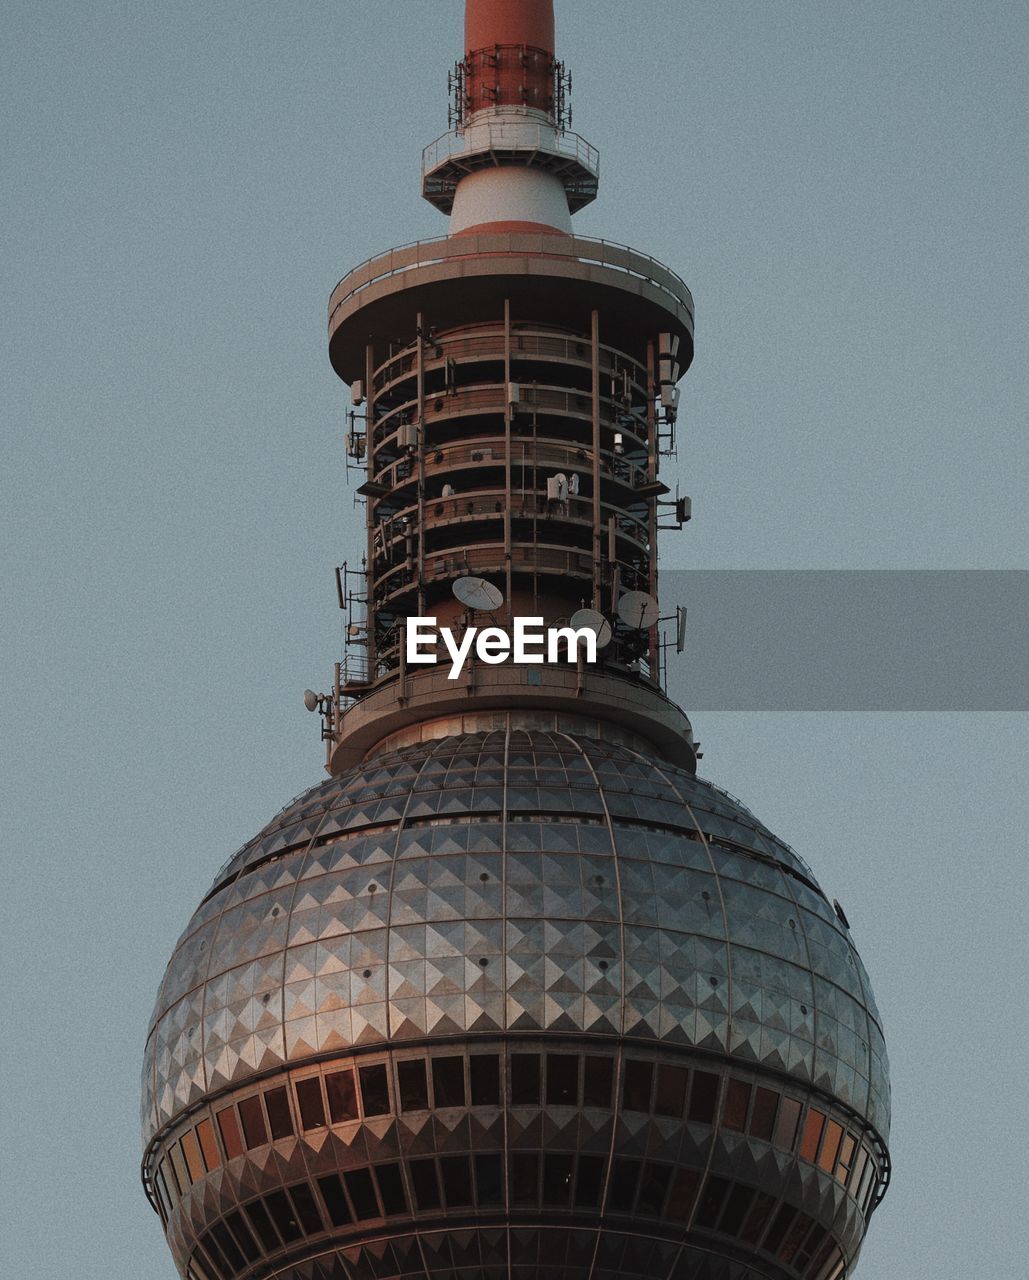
(464, 280)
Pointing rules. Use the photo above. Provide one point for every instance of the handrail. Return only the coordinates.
(526, 344)
(489, 397)
(420, 253)
(475, 503)
(519, 134)
(545, 452)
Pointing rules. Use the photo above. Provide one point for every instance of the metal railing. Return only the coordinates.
(519, 134)
(525, 345)
(422, 253)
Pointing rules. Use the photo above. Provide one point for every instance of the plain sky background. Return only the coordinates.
(843, 187)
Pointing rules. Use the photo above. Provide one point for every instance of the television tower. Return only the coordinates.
(513, 993)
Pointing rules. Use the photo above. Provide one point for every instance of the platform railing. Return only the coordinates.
(422, 253)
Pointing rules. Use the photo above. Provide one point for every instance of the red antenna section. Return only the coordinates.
(493, 22)
(509, 55)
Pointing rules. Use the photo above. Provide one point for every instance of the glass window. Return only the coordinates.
(703, 1096)
(860, 1160)
(280, 1121)
(736, 1105)
(830, 1146)
(868, 1181)
(587, 1183)
(179, 1165)
(307, 1211)
(814, 1123)
(208, 1145)
(391, 1188)
(525, 1079)
(625, 1179)
(374, 1090)
(821, 1260)
(230, 1250)
(815, 1239)
(795, 1237)
(597, 1082)
(786, 1125)
(191, 1150)
(735, 1210)
(214, 1255)
(557, 1177)
(636, 1085)
(414, 1090)
(283, 1215)
(448, 1082)
(489, 1180)
(562, 1080)
(653, 1188)
(762, 1117)
(833, 1259)
(711, 1200)
(161, 1186)
(335, 1201)
(362, 1193)
(309, 1098)
(342, 1094)
(670, 1098)
(251, 1113)
(457, 1182)
(426, 1188)
(757, 1219)
(168, 1169)
(262, 1225)
(846, 1161)
(780, 1225)
(485, 1074)
(524, 1177)
(241, 1234)
(228, 1126)
(196, 1271)
(683, 1194)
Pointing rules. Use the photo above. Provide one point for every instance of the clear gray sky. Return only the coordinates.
(844, 188)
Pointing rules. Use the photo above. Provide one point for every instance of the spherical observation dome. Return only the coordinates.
(515, 1003)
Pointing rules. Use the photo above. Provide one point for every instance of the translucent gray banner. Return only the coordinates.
(850, 640)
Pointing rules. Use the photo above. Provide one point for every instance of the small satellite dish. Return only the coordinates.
(477, 593)
(638, 610)
(311, 700)
(593, 620)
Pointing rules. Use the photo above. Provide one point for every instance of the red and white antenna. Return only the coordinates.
(511, 163)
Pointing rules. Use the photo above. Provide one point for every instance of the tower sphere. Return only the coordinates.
(517, 998)
(513, 994)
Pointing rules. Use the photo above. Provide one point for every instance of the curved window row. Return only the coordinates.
(552, 1079)
(531, 1181)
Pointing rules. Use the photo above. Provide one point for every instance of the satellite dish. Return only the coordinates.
(477, 593)
(311, 700)
(593, 620)
(638, 610)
